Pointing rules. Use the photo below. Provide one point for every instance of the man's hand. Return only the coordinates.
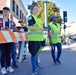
(42, 29)
(45, 29)
(5, 29)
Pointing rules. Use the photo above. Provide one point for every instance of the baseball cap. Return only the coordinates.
(6, 8)
(53, 16)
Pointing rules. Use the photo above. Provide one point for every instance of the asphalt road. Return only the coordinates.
(68, 66)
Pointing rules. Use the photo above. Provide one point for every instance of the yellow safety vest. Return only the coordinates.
(36, 35)
(56, 38)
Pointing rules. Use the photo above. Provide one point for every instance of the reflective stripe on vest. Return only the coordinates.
(56, 37)
(35, 32)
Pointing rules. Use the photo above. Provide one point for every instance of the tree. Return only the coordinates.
(52, 9)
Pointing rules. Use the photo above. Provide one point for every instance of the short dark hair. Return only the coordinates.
(6, 8)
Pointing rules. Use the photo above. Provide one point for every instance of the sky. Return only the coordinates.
(65, 5)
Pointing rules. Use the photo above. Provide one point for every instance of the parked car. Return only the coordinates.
(73, 37)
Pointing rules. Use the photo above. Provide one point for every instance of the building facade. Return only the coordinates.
(17, 9)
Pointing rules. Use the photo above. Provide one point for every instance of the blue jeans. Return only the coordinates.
(59, 48)
(34, 62)
(13, 53)
(19, 47)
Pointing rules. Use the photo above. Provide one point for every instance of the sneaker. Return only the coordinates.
(58, 61)
(24, 59)
(39, 68)
(17, 58)
(14, 65)
(34, 73)
(10, 70)
(3, 71)
(55, 62)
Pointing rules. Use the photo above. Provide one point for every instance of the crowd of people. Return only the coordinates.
(36, 38)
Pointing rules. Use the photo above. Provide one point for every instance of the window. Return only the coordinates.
(13, 5)
(20, 14)
(17, 10)
(24, 18)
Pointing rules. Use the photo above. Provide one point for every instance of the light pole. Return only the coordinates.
(46, 11)
(46, 18)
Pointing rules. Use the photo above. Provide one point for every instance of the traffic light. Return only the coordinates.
(65, 16)
(64, 26)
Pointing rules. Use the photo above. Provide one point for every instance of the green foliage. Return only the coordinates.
(52, 9)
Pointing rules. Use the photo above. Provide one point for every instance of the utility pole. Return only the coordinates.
(46, 18)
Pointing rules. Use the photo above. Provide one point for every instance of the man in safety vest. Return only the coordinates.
(55, 38)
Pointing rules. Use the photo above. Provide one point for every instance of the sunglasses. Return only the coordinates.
(35, 8)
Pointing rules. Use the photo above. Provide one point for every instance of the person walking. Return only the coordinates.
(35, 35)
(55, 38)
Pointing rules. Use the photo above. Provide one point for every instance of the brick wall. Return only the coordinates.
(2, 3)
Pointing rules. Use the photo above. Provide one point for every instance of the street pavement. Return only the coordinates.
(68, 66)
